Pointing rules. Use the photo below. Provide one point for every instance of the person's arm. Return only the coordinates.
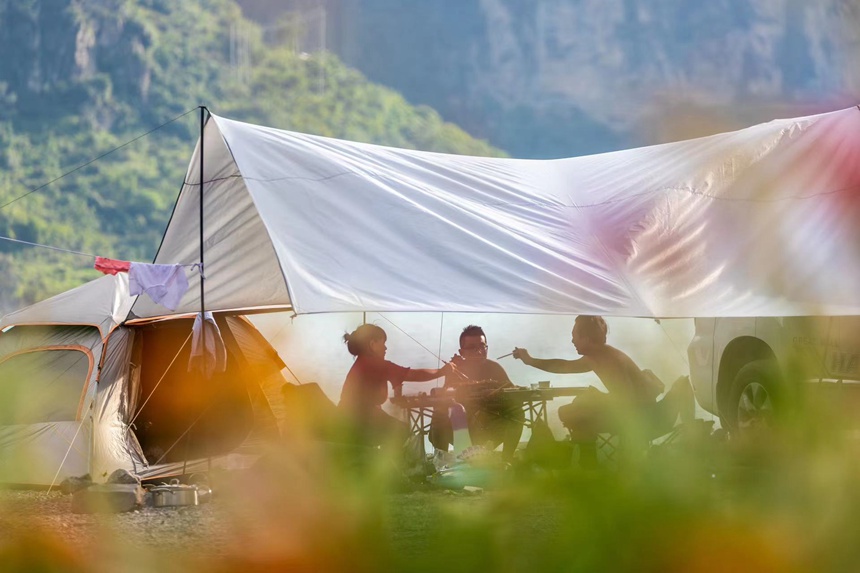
(554, 365)
(426, 374)
(560, 366)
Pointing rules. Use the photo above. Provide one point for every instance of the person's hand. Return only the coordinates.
(455, 364)
(521, 354)
(448, 369)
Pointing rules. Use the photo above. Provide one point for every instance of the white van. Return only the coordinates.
(743, 369)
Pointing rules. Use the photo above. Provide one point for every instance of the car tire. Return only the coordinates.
(754, 401)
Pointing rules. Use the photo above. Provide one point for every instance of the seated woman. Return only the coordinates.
(366, 387)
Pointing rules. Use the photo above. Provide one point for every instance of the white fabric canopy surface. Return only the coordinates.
(757, 222)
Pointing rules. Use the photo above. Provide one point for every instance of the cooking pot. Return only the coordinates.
(173, 494)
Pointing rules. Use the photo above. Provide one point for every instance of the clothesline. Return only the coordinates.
(113, 266)
(88, 255)
(165, 284)
(11, 240)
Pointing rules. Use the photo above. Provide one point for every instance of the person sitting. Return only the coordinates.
(366, 387)
(631, 395)
(491, 419)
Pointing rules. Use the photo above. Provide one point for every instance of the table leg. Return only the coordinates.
(535, 410)
(542, 411)
(426, 415)
(531, 413)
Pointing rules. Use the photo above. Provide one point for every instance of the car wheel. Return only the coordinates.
(754, 398)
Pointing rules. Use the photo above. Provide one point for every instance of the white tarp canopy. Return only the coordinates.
(757, 222)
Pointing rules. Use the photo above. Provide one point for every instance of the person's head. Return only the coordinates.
(367, 339)
(473, 343)
(589, 333)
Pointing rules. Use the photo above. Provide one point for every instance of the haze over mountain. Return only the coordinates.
(554, 78)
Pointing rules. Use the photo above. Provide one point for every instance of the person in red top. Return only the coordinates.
(366, 387)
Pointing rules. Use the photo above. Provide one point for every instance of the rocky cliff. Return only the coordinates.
(560, 77)
(67, 53)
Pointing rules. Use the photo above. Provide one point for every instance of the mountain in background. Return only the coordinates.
(555, 78)
(85, 79)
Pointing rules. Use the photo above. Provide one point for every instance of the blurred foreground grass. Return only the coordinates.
(787, 501)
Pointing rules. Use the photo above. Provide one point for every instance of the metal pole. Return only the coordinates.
(202, 268)
(202, 280)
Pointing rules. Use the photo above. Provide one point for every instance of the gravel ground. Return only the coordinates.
(181, 528)
(39, 532)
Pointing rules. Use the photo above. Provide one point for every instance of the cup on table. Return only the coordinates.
(543, 384)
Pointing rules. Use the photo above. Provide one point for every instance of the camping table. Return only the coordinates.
(534, 400)
(419, 408)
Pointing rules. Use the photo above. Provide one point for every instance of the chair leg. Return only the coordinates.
(587, 455)
(608, 446)
(603, 451)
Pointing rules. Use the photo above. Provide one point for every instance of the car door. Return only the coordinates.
(842, 358)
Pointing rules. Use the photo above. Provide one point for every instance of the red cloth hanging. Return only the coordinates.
(111, 266)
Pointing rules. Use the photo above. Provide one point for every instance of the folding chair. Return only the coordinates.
(662, 425)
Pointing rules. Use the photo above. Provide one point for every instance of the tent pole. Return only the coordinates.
(202, 268)
(202, 279)
(439, 354)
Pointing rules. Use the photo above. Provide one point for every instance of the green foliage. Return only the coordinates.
(317, 94)
(136, 65)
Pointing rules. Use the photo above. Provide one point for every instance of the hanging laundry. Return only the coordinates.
(208, 353)
(165, 284)
(111, 266)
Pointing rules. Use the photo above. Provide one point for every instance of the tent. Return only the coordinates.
(757, 222)
(86, 394)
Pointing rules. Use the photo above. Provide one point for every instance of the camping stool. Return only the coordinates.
(608, 445)
(667, 439)
(612, 450)
(684, 434)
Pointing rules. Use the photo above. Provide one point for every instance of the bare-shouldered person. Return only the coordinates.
(630, 391)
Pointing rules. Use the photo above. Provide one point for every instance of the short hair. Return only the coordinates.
(358, 341)
(594, 327)
(471, 330)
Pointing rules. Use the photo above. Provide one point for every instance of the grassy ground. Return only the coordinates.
(787, 503)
